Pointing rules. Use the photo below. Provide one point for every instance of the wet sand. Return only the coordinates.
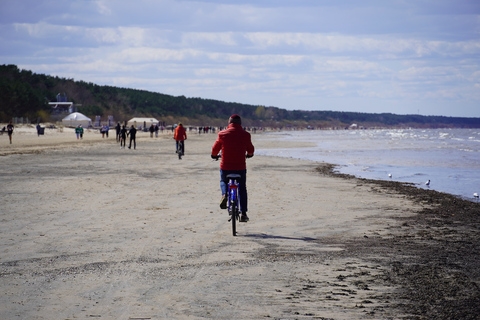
(90, 230)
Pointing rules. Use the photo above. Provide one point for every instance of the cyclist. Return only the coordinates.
(235, 145)
(180, 135)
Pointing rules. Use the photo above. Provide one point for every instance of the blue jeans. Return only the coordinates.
(242, 184)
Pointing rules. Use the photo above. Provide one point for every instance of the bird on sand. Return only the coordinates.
(389, 175)
(475, 195)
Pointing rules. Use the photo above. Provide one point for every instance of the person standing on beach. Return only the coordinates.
(123, 136)
(152, 130)
(132, 133)
(10, 131)
(117, 130)
(235, 145)
(180, 136)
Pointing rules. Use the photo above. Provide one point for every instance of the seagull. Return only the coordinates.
(427, 183)
(475, 195)
(389, 175)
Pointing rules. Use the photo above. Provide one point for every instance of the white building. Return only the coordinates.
(142, 122)
(75, 119)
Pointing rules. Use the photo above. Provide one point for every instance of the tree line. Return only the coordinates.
(26, 94)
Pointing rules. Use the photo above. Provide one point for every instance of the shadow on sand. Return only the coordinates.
(269, 236)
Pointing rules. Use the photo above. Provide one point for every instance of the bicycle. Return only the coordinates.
(180, 149)
(233, 202)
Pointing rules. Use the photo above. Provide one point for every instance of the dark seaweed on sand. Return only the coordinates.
(433, 258)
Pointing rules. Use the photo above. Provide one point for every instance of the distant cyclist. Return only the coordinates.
(235, 145)
(180, 136)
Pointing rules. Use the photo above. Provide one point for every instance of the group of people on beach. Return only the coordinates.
(233, 145)
(104, 130)
(9, 130)
(79, 132)
(123, 133)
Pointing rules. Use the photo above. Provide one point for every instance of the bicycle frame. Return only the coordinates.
(233, 201)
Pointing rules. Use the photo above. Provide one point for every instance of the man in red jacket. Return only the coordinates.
(180, 136)
(235, 145)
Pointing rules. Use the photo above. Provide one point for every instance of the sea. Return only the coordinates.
(449, 158)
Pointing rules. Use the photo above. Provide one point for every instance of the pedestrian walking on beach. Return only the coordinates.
(180, 137)
(123, 136)
(152, 130)
(117, 130)
(10, 131)
(132, 132)
(79, 131)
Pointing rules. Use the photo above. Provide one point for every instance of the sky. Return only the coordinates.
(373, 56)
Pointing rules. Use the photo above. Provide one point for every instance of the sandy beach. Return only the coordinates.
(90, 230)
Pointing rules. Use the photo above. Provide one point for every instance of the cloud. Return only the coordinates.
(292, 54)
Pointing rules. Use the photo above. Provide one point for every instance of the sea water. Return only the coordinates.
(449, 158)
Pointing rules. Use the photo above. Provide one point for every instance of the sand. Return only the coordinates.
(90, 230)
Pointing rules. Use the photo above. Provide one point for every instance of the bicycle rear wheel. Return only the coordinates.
(233, 203)
(234, 216)
(180, 150)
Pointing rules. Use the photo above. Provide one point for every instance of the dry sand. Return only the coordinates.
(89, 230)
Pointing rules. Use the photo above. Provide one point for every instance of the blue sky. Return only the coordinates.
(398, 56)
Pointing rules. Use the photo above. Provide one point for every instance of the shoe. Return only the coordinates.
(244, 218)
(223, 203)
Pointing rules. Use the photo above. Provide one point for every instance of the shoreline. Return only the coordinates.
(99, 231)
(414, 156)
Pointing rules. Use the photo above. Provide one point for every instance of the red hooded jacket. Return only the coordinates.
(235, 143)
(180, 133)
